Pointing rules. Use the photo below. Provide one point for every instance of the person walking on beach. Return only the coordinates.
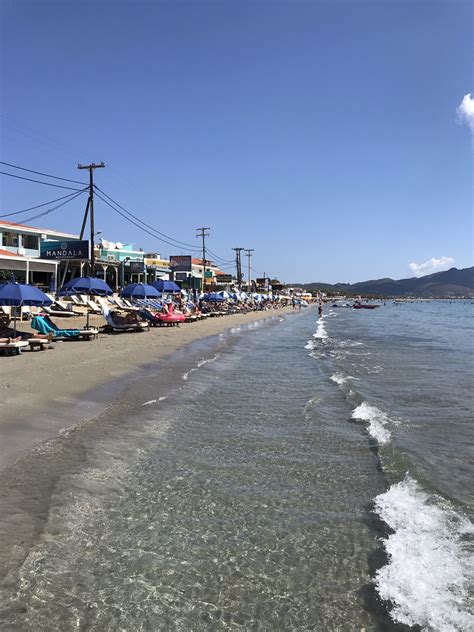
(293, 302)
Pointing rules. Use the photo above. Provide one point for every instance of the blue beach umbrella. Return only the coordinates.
(166, 286)
(213, 297)
(139, 290)
(17, 294)
(86, 285)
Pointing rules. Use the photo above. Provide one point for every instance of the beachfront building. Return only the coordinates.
(213, 275)
(25, 241)
(156, 267)
(119, 264)
(20, 253)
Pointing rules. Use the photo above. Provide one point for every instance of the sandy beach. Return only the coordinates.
(39, 384)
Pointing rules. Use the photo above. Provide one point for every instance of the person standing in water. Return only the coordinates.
(320, 309)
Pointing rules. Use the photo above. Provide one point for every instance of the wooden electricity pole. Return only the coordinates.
(248, 253)
(203, 234)
(90, 210)
(238, 266)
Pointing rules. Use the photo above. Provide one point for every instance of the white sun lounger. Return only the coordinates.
(12, 348)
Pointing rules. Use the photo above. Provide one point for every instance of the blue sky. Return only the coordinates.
(322, 134)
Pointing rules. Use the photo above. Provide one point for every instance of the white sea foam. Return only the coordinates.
(340, 379)
(429, 568)
(201, 363)
(350, 343)
(310, 345)
(321, 332)
(153, 401)
(377, 421)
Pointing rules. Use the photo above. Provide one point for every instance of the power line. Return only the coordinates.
(30, 219)
(32, 208)
(218, 258)
(49, 184)
(177, 241)
(40, 173)
(136, 224)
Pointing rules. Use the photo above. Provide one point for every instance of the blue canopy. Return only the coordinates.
(86, 285)
(213, 296)
(16, 294)
(139, 290)
(166, 286)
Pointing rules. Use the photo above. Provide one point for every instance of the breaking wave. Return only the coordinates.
(340, 379)
(377, 421)
(321, 332)
(429, 568)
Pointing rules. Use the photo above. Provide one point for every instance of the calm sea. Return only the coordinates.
(298, 474)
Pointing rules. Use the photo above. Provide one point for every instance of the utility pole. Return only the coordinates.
(203, 234)
(248, 253)
(90, 209)
(238, 266)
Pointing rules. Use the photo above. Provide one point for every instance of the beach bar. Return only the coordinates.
(28, 269)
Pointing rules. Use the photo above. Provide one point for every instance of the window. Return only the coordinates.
(10, 239)
(31, 242)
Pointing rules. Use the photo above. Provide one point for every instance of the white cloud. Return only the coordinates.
(466, 111)
(430, 266)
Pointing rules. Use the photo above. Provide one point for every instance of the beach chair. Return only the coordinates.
(37, 343)
(12, 348)
(60, 313)
(121, 304)
(118, 323)
(62, 306)
(45, 325)
(93, 307)
(79, 300)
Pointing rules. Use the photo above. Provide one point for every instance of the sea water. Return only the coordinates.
(298, 474)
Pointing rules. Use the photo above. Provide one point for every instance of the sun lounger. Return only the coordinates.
(121, 305)
(12, 348)
(45, 325)
(118, 323)
(60, 313)
(39, 343)
(94, 307)
(80, 300)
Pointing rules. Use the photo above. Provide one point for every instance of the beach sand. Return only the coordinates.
(42, 391)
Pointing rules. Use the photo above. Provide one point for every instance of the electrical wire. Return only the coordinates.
(177, 241)
(138, 225)
(218, 258)
(30, 219)
(49, 184)
(32, 208)
(40, 173)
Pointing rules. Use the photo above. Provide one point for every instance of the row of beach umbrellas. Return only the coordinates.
(13, 294)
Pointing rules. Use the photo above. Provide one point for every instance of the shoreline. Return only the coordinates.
(75, 381)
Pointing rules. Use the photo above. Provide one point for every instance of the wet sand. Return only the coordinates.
(43, 392)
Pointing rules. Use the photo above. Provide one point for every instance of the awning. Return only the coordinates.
(27, 263)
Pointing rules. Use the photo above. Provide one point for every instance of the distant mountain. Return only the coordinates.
(450, 283)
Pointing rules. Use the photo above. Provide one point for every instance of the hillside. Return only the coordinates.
(450, 283)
